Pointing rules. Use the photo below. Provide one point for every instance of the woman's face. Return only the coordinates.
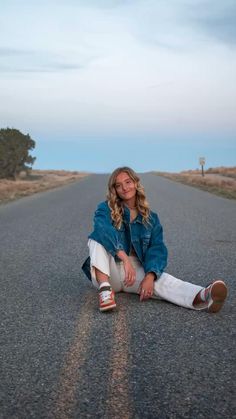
(125, 188)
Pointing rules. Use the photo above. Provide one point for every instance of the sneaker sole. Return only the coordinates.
(218, 296)
(108, 307)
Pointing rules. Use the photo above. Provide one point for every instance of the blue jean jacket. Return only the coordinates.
(147, 239)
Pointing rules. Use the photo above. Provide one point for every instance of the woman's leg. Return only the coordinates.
(105, 276)
(167, 287)
(186, 294)
(103, 267)
(176, 291)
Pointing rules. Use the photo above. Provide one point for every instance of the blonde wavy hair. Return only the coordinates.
(116, 204)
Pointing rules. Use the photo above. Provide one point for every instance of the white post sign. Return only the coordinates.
(202, 162)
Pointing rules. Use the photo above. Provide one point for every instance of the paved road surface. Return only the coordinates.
(61, 358)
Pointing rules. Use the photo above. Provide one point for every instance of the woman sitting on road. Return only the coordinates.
(127, 252)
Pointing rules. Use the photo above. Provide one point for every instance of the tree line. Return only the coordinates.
(14, 153)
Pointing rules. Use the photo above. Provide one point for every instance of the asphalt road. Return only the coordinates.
(61, 358)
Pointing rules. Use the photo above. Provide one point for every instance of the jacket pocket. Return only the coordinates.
(146, 242)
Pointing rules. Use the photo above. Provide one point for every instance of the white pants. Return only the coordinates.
(167, 287)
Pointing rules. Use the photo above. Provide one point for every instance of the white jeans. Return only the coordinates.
(167, 287)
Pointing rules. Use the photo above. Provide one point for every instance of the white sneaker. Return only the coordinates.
(106, 298)
(215, 295)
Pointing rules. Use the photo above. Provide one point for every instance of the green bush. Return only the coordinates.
(14, 152)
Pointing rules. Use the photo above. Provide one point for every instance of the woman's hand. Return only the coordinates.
(146, 287)
(130, 273)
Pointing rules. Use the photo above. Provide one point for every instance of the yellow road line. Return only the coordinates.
(75, 358)
(119, 403)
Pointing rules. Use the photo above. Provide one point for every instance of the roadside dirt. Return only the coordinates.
(37, 181)
(222, 183)
(216, 176)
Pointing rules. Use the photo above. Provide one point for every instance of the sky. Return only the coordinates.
(102, 83)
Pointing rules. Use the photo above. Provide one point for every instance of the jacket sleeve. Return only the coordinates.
(104, 232)
(156, 254)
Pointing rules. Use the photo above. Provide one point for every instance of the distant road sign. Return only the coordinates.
(202, 161)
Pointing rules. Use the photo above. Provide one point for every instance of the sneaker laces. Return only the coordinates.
(208, 292)
(105, 295)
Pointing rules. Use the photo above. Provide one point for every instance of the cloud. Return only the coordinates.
(119, 66)
(4, 51)
(100, 4)
(105, 3)
(217, 19)
(180, 25)
(24, 60)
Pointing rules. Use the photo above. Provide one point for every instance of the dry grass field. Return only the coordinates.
(220, 180)
(36, 181)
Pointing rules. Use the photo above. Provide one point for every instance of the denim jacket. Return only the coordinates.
(146, 239)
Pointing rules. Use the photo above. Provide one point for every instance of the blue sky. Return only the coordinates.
(102, 83)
